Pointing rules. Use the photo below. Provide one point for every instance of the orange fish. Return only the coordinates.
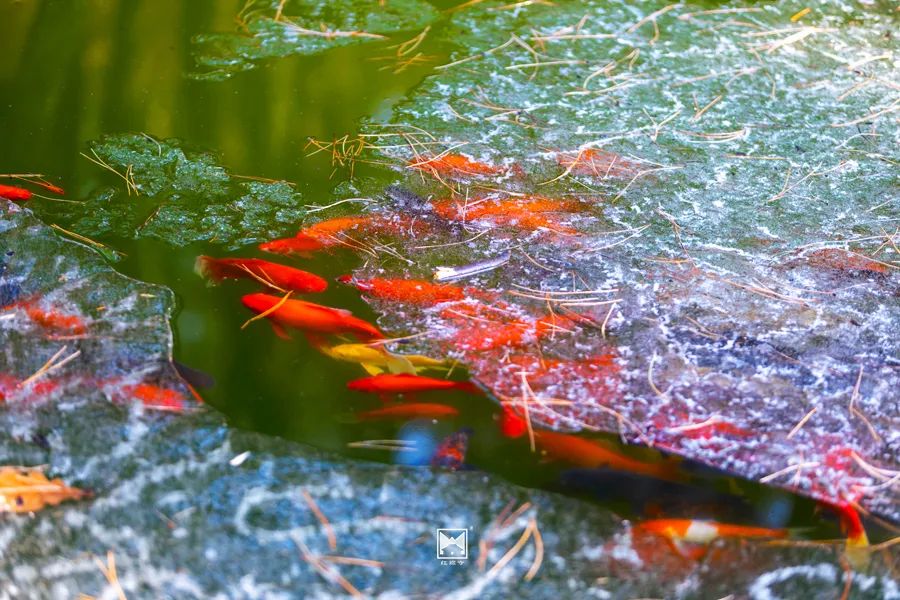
(334, 232)
(276, 276)
(156, 397)
(300, 244)
(403, 383)
(416, 410)
(451, 209)
(454, 164)
(711, 428)
(411, 291)
(599, 163)
(589, 454)
(310, 317)
(703, 532)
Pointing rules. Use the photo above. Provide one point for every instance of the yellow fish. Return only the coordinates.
(375, 359)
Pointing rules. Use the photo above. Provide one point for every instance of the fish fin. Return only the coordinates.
(688, 550)
(316, 340)
(280, 331)
(401, 364)
(371, 369)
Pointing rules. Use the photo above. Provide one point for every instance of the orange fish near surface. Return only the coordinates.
(11, 192)
(309, 317)
(156, 397)
(703, 532)
(589, 454)
(273, 275)
(599, 163)
(451, 209)
(332, 232)
(843, 260)
(480, 329)
(416, 410)
(454, 164)
(405, 383)
(411, 291)
(57, 322)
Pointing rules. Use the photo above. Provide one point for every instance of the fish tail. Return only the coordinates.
(469, 386)
(206, 267)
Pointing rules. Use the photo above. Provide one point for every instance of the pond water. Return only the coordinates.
(73, 72)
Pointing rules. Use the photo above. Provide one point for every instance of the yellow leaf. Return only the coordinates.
(27, 490)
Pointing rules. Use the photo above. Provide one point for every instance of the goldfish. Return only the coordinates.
(599, 163)
(374, 360)
(852, 525)
(11, 192)
(11, 386)
(451, 209)
(511, 424)
(273, 275)
(55, 321)
(411, 291)
(330, 233)
(703, 532)
(454, 164)
(451, 453)
(310, 317)
(156, 397)
(480, 330)
(590, 454)
(404, 383)
(843, 260)
(299, 244)
(416, 410)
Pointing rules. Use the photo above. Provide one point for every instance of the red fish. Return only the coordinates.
(276, 276)
(411, 291)
(416, 410)
(451, 454)
(842, 260)
(56, 322)
(851, 524)
(310, 317)
(599, 163)
(405, 383)
(590, 454)
(454, 164)
(511, 424)
(156, 397)
(11, 192)
(480, 329)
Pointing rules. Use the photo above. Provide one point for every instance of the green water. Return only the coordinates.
(74, 71)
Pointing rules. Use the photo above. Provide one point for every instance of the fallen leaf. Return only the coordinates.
(23, 489)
